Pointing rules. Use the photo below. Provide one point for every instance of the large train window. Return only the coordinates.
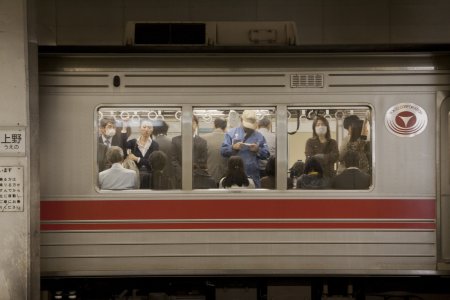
(329, 148)
(134, 147)
(234, 147)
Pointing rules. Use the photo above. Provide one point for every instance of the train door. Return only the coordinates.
(445, 182)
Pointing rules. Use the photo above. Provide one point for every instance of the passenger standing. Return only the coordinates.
(352, 177)
(322, 146)
(236, 176)
(346, 124)
(199, 151)
(265, 128)
(217, 164)
(165, 145)
(139, 151)
(247, 143)
(109, 136)
(116, 177)
(358, 144)
(313, 176)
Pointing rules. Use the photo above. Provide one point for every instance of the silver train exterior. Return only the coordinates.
(398, 226)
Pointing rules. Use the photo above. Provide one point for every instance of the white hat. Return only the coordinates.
(249, 119)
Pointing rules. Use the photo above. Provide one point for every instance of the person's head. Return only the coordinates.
(321, 127)
(235, 173)
(349, 119)
(351, 159)
(158, 160)
(313, 165)
(249, 120)
(108, 126)
(146, 128)
(220, 123)
(160, 127)
(355, 129)
(265, 123)
(114, 154)
(297, 169)
(271, 166)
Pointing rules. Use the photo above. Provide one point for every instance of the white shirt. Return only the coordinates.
(117, 178)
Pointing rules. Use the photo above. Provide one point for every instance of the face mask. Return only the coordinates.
(321, 130)
(110, 132)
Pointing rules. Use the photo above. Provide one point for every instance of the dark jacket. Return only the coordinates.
(351, 179)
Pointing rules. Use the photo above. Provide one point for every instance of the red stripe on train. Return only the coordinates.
(54, 210)
(199, 226)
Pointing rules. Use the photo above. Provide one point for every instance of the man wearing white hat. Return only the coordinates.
(248, 143)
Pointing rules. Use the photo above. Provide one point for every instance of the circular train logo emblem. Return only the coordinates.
(406, 119)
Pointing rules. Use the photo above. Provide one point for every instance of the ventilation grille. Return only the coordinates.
(307, 81)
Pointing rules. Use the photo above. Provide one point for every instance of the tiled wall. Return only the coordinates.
(319, 22)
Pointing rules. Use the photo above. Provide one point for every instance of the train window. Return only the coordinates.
(134, 147)
(234, 148)
(329, 148)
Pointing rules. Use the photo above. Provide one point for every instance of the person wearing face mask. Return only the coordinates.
(139, 151)
(110, 136)
(247, 143)
(322, 146)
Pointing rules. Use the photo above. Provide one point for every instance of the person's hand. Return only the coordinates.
(133, 157)
(237, 146)
(253, 147)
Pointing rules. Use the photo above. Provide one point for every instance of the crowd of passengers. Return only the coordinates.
(242, 157)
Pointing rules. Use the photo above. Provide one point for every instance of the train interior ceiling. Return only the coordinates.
(169, 236)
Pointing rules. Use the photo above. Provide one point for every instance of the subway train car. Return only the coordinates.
(397, 224)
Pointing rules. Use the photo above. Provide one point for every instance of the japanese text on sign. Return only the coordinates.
(12, 141)
(11, 189)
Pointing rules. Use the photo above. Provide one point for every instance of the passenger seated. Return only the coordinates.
(269, 181)
(117, 177)
(313, 176)
(352, 177)
(295, 172)
(236, 177)
(159, 179)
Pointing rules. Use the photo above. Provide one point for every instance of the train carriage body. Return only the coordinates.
(396, 226)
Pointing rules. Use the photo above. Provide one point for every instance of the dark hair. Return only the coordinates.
(325, 121)
(220, 123)
(158, 160)
(351, 159)
(356, 127)
(349, 119)
(297, 169)
(105, 120)
(271, 166)
(313, 165)
(160, 127)
(264, 122)
(235, 173)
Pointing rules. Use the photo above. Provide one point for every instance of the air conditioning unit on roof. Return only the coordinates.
(211, 34)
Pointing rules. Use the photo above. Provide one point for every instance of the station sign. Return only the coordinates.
(12, 141)
(11, 188)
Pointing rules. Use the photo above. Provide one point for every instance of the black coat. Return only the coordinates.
(351, 179)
